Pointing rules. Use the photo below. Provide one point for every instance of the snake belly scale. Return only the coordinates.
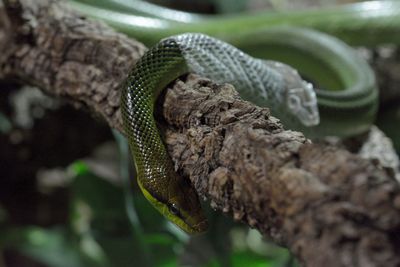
(172, 195)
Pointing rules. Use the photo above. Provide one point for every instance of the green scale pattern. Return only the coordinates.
(170, 193)
(139, 94)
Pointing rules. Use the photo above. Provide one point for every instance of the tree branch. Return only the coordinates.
(328, 206)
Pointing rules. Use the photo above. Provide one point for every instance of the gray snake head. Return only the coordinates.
(302, 103)
(275, 85)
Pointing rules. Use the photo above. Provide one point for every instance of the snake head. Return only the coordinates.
(176, 199)
(302, 103)
(184, 208)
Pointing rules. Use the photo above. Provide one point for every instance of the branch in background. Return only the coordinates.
(329, 207)
(68, 56)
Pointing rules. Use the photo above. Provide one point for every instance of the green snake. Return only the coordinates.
(347, 96)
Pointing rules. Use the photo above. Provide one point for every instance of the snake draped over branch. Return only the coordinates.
(343, 101)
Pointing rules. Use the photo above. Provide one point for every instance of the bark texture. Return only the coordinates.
(328, 206)
(66, 55)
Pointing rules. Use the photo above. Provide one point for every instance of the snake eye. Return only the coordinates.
(173, 208)
(294, 102)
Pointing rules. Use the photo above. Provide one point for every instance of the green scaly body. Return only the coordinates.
(366, 23)
(169, 193)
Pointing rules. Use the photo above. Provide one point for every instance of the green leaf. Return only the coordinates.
(99, 212)
(51, 247)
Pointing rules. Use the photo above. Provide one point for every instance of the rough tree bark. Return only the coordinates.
(328, 206)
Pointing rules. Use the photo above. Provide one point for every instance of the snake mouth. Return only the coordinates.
(313, 119)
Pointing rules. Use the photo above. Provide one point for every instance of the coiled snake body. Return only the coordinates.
(346, 93)
(221, 62)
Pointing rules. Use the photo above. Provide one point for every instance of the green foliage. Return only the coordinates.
(53, 247)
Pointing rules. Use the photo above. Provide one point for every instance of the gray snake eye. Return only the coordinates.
(294, 102)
